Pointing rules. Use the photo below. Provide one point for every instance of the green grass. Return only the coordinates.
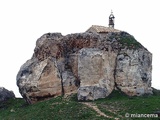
(53, 109)
(115, 105)
(130, 42)
(119, 104)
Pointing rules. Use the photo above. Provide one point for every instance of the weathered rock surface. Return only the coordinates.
(133, 72)
(90, 64)
(95, 71)
(5, 94)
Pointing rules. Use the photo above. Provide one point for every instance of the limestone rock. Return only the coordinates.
(69, 82)
(39, 80)
(95, 72)
(133, 72)
(47, 46)
(90, 64)
(5, 94)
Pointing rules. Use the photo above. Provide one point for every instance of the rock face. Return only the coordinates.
(95, 71)
(5, 94)
(90, 64)
(133, 72)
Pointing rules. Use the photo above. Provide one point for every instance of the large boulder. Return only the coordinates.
(95, 70)
(90, 64)
(5, 94)
(133, 72)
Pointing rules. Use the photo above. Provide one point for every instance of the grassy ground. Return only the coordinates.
(119, 105)
(114, 106)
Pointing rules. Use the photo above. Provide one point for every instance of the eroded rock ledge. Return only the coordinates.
(90, 64)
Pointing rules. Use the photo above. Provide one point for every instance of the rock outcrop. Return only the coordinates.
(90, 64)
(5, 94)
(133, 72)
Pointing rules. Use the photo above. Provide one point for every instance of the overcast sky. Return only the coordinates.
(22, 22)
